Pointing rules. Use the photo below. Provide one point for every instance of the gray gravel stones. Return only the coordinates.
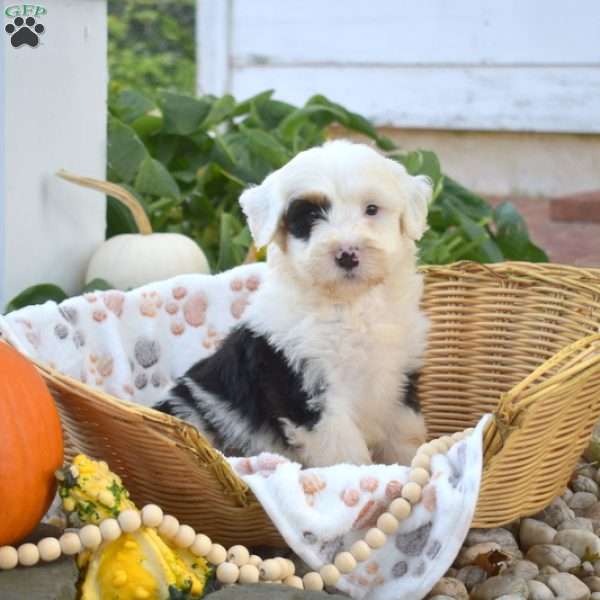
(448, 586)
(580, 542)
(553, 555)
(539, 591)
(500, 585)
(555, 513)
(568, 587)
(577, 523)
(522, 568)
(471, 576)
(535, 532)
(582, 501)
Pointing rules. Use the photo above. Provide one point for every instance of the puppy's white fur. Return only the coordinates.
(364, 330)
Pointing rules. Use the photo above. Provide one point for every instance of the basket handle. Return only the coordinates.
(570, 362)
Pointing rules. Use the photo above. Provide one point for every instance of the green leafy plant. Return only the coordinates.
(187, 160)
(151, 44)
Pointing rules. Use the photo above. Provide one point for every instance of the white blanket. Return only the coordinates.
(134, 344)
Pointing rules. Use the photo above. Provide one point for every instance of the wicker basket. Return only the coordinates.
(515, 339)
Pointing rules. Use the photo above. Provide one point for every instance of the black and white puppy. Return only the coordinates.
(320, 368)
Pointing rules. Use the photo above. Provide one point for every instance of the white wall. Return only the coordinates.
(54, 116)
(463, 65)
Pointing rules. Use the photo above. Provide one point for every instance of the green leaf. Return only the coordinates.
(512, 235)
(96, 285)
(230, 254)
(135, 109)
(245, 106)
(219, 111)
(125, 151)
(267, 147)
(37, 294)
(183, 115)
(485, 249)
(153, 178)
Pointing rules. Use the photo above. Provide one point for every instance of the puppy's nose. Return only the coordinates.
(347, 260)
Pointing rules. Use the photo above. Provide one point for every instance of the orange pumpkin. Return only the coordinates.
(31, 446)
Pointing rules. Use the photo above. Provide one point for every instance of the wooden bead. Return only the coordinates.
(400, 508)
(291, 567)
(284, 568)
(313, 582)
(9, 558)
(184, 537)
(238, 555)
(130, 520)
(458, 436)
(90, 536)
(227, 572)
(110, 530)
(419, 475)
(70, 543)
(447, 441)
(438, 446)
(270, 570)
(331, 574)
(360, 550)
(202, 545)
(412, 492)
(217, 554)
(375, 538)
(345, 562)
(168, 527)
(295, 582)
(255, 560)
(49, 549)
(427, 449)
(29, 555)
(422, 461)
(152, 515)
(387, 523)
(249, 574)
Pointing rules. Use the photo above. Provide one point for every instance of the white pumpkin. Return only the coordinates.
(133, 259)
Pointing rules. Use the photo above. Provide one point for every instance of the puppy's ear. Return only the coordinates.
(414, 219)
(263, 208)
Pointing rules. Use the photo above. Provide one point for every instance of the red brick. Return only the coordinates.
(583, 208)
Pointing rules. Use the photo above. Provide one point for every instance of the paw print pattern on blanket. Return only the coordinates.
(318, 511)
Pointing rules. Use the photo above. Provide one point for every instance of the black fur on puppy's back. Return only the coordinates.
(250, 378)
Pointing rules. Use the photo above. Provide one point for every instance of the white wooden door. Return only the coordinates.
(461, 64)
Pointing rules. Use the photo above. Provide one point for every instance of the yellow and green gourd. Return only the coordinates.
(135, 566)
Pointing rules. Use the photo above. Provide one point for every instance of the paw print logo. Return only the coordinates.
(24, 31)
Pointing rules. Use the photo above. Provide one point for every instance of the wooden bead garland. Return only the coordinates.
(29, 555)
(168, 526)
(110, 530)
(202, 545)
(184, 537)
(216, 555)
(375, 538)
(49, 549)
(360, 550)
(388, 523)
(238, 564)
(227, 572)
(249, 574)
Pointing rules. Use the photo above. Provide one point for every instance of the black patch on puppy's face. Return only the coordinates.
(303, 213)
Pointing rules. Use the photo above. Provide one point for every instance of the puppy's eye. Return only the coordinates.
(372, 210)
